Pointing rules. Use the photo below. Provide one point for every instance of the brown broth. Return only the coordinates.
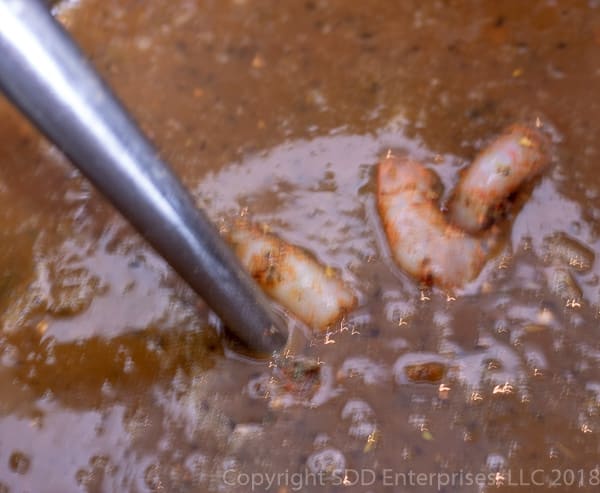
(112, 374)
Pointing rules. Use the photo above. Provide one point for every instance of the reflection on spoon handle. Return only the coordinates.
(44, 73)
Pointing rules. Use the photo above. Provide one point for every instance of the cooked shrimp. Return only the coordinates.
(484, 190)
(421, 240)
(292, 277)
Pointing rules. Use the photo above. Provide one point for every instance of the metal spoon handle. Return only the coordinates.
(45, 74)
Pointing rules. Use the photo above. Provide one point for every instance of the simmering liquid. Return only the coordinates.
(113, 376)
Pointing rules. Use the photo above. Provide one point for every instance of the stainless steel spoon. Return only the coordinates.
(43, 72)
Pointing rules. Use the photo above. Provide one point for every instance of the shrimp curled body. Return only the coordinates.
(292, 277)
(421, 240)
(483, 192)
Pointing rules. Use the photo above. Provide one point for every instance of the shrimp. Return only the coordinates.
(421, 240)
(292, 277)
(483, 192)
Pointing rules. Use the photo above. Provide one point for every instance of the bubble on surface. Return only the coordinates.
(258, 387)
(244, 433)
(19, 462)
(152, 478)
(364, 368)
(361, 416)
(495, 462)
(329, 461)
(357, 410)
(9, 356)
